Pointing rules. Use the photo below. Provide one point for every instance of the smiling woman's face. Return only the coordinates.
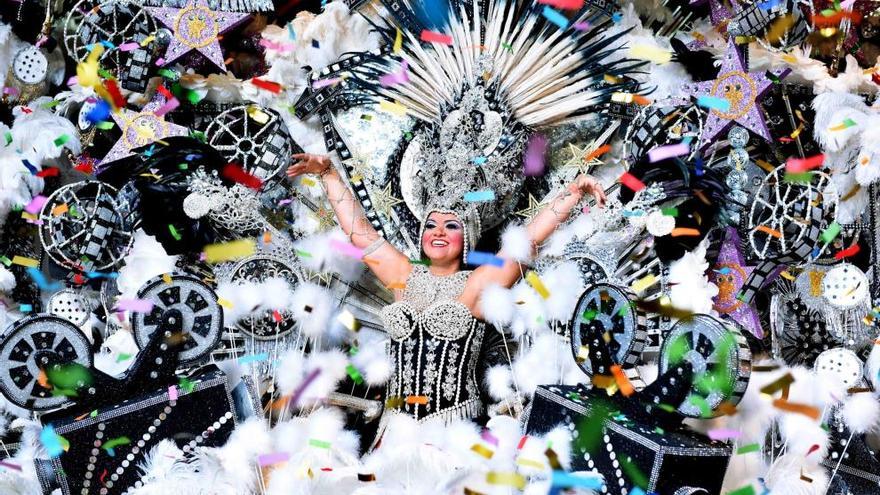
(443, 238)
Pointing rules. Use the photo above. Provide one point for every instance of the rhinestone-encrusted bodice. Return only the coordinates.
(434, 346)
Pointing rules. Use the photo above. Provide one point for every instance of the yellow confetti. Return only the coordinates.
(257, 115)
(148, 40)
(530, 463)
(25, 261)
(308, 182)
(533, 280)
(392, 107)
(643, 283)
(482, 450)
(87, 70)
(166, 277)
(398, 41)
(226, 303)
(515, 480)
(651, 53)
(348, 320)
(29, 216)
(216, 253)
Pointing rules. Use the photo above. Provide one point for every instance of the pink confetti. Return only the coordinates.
(401, 77)
(172, 392)
(130, 46)
(277, 46)
(489, 437)
(668, 151)
(167, 107)
(160, 62)
(582, 26)
(285, 202)
(9, 90)
(135, 305)
(723, 434)
(347, 249)
(273, 458)
(72, 81)
(10, 465)
(534, 158)
(35, 205)
(320, 83)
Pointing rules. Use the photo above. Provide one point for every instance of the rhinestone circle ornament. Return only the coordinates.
(608, 309)
(738, 137)
(259, 268)
(197, 303)
(29, 65)
(781, 214)
(113, 21)
(845, 286)
(720, 358)
(661, 123)
(842, 364)
(70, 305)
(33, 343)
(255, 138)
(82, 228)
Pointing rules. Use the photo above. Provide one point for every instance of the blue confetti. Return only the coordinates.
(723, 271)
(567, 480)
(30, 167)
(290, 31)
(149, 151)
(25, 308)
(769, 4)
(99, 113)
(41, 281)
(477, 196)
(253, 358)
(555, 17)
(482, 258)
(108, 45)
(699, 168)
(51, 441)
(192, 157)
(617, 17)
(101, 274)
(479, 160)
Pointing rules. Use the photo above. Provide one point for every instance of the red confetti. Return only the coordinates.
(237, 174)
(876, 78)
(84, 167)
(276, 316)
(103, 475)
(813, 449)
(800, 165)
(846, 253)
(267, 85)
(522, 442)
(113, 89)
(564, 4)
(630, 181)
(78, 279)
(47, 172)
(432, 37)
(167, 94)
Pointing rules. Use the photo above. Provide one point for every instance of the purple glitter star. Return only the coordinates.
(729, 274)
(196, 27)
(140, 129)
(743, 90)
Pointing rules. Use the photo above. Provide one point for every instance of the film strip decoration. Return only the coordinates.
(806, 234)
(660, 123)
(756, 19)
(317, 100)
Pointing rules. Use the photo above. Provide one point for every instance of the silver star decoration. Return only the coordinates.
(383, 200)
(534, 207)
(579, 156)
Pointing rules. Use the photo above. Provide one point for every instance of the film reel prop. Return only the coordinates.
(606, 310)
(193, 308)
(254, 137)
(720, 359)
(117, 22)
(33, 345)
(82, 228)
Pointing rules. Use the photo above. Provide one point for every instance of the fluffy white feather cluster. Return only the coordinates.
(690, 289)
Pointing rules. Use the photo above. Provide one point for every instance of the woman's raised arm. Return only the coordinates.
(386, 262)
(538, 229)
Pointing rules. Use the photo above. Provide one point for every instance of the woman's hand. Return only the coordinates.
(584, 184)
(307, 163)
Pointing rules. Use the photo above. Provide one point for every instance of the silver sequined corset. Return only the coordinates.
(434, 346)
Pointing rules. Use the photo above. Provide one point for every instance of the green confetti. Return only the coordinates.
(420, 262)
(367, 117)
(199, 135)
(69, 376)
(105, 74)
(50, 104)
(66, 392)
(319, 443)
(93, 414)
(830, 233)
(632, 472)
(60, 140)
(104, 126)
(798, 177)
(193, 97)
(669, 212)
(123, 357)
(848, 122)
(186, 385)
(677, 349)
(592, 425)
(6, 261)
(746, 490)
(174, 232)
(702, 404)
(303, 254)
(589, 315)
(747, 449)
(625, 309)
(8, 136)
(115, 442)
(354, 374)
(167, 74)
(183, 166)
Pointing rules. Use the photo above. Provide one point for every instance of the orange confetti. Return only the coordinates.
(59, 210)
(804, 409)
(769, 231)
(605, 148)
(417, 399)
(684, 232)
(43, 380)
(623, 383)
(397, 285)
